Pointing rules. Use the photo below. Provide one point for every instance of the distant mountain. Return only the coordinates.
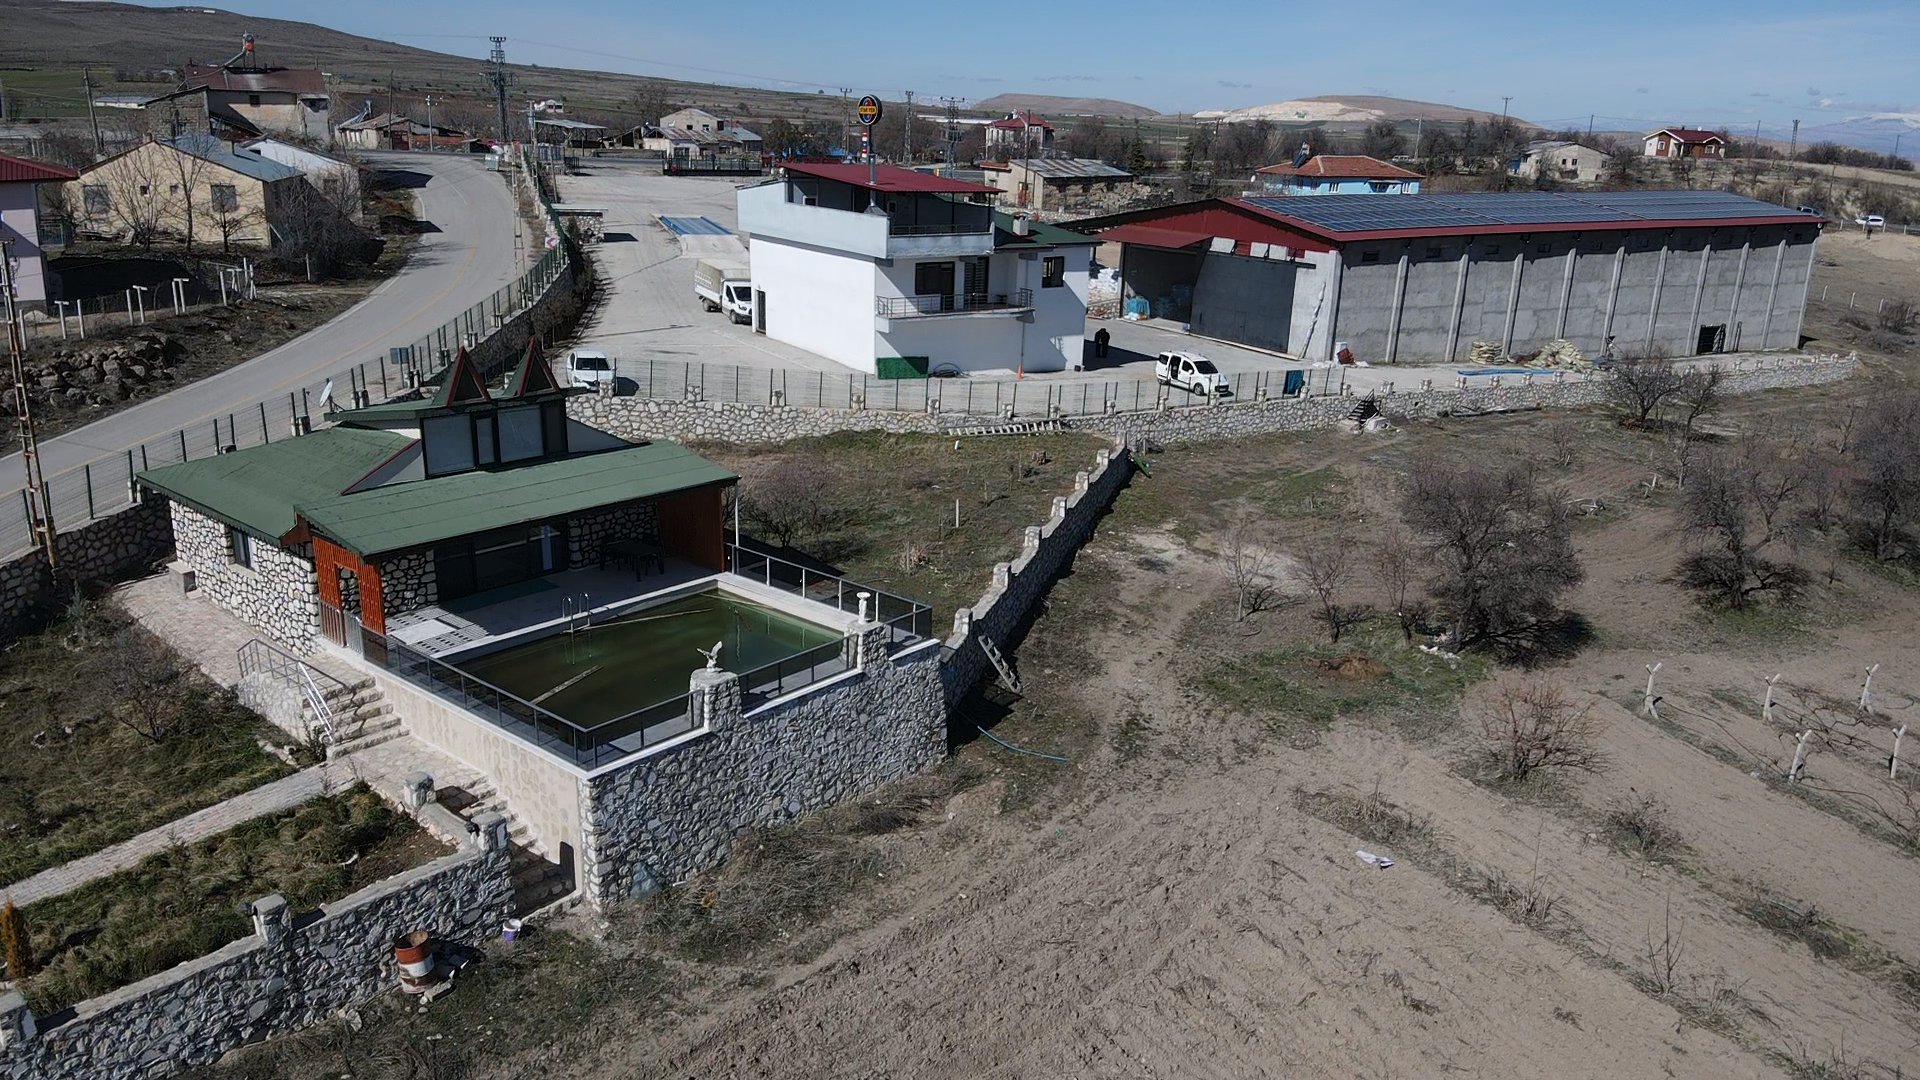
(1346, 109)
(1050, 105)
(1875, 131)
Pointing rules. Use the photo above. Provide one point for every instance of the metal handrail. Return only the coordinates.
(261, 656)
(913, 619)
(955, 228)
(943, 303)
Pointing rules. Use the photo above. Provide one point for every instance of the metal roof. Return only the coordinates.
(258, 488)
(571, 125)
(1343, 167)
(246, 162)
(25, 170)
(1072, 168)
(888, 178)
(1369, 216)
(1039, 234)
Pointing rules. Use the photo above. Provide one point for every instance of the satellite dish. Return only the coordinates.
(326, 393)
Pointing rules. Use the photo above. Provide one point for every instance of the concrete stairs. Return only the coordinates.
(362, 718)
(538, 880)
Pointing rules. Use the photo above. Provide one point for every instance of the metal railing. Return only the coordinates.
(952, 228)
(952, 304)
(264, 657)
(793, 673)
(906, 620)
(82, 495)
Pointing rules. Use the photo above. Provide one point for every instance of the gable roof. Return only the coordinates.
(1039, 234)
(1689, 135)
(1020, 120)
(462, 384)
(15, 170)
(889, 178)
(257, 488)
(534, 375)
(1343, 167)
(246, 162)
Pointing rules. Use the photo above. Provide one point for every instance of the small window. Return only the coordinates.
(1434, 251)
(146, 188)
(1369, 256)
(1053, 271)
(448, 444)
(484, 452)
(253, 100)
(239, 547)
(96, 199)
(1493, 249)
(226, 198)
(520, 436)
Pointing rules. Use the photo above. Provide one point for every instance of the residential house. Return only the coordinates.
(699, 120)
(392, 131)
(1051, 185)
(1335, 174)
(863, 264)
(190, 186)
(1570, 162)
(20, 180)
(239, 100)
(1019, 134)
(338, 180)
(1684, 143)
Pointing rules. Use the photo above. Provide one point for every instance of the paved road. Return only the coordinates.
(469, 257)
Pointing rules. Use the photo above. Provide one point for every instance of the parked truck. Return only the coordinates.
(723, 285)
(1191, 372)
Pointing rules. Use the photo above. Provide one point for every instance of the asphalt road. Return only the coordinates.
(470, 256)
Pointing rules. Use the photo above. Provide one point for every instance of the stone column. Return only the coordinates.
(419, 787)
(865, 644)
(16, 1020)
(493, 831)
(270, 918)
(713, 699)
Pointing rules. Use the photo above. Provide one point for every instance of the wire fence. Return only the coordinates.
(80, 496)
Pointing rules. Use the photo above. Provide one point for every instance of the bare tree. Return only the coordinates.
(1886, 457)
(1328, 566)
(1500, 548)
(790, 502)
(1400, 567)
(1697, 395)
(1534, 726)
(231, 221)
(142, 676)
(314, 232)
(132, 203)
(1641, 385)
(184, 173)
(1739, 507)
(1250, 568)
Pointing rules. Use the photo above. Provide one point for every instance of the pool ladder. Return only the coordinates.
(578, 611)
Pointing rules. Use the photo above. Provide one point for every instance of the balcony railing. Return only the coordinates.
(896, 307)
(957, 228)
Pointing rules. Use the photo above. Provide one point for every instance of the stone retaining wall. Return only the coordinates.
(673, 811)
(1002, 611)
(99, 551)
(288, 975)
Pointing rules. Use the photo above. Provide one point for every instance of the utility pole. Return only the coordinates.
(499, 78)
(1793, 148)
(3, 99)
(846, 115)
(1590, 117)
(1895, 162)
(99, 148)
(429, 123)
(953, 129)
(1503, 106)
(906, 157)
(39, 504)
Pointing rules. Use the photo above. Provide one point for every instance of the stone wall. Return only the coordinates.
(278, 594)
(1002, 611)
(286, 976)
(586, 533)
(675, 810)
(407, 583)
(100, 551)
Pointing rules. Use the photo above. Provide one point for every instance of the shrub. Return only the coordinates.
(790, 502)
(1534, 727)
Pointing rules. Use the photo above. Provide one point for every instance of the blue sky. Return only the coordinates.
(1705, 62)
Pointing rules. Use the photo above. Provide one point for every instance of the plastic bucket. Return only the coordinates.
(510, 929)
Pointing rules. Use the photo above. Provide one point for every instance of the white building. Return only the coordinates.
(336, 179)
(700, 120)
(1567, 161)
(911, 265)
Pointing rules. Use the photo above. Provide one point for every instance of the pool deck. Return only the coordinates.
(483, 621)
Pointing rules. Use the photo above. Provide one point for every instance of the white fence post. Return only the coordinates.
(1650, 706)
(1766, 710)
(1866, 690)
(1799, 757)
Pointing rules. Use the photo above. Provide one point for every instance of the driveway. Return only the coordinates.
(470, 255)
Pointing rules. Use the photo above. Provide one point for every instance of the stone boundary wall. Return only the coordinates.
(101, 550)
(556, 309)
(674, 811)
(1046, 549)
(289, 975)
(695, 421)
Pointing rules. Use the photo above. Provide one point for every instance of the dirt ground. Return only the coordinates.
(1181, 895)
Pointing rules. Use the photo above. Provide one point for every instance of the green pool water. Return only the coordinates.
(627, 662)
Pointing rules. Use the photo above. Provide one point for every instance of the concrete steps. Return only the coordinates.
(538, 879)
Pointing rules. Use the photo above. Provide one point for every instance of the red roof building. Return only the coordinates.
(1019, 134)
(1684, 142)
(20, 223)
(1337, 174)
(891, 178)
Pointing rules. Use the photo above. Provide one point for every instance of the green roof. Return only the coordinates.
(1038, 234)
(422, 512)
(258, 488)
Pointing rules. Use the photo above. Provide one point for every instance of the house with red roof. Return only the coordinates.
(1336, 174)
(20, 179)
(1019, 134)
(895, 272)
(1683, 142)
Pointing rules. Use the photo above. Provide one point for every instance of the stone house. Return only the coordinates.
(1569, 162)
(190, 186)
(1052, 186)
(1683, 143)
(20, 180)
(248, 102)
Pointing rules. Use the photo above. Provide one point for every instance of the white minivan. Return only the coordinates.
(589, 367)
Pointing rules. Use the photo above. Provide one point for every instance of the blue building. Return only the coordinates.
(1336, 174)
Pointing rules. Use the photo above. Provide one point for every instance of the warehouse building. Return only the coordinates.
(1420, 278)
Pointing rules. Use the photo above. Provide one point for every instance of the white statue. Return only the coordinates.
(712, 655)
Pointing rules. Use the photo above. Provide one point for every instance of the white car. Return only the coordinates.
(1191, 372)
(589, 367)
(1871, 221)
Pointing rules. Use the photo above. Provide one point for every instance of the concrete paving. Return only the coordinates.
(469, 256)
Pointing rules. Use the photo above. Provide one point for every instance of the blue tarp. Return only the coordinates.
(695, 226)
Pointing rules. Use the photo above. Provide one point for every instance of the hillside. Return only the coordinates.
(1052, 105)
(1348, 109)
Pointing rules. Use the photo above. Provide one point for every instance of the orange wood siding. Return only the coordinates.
(693, 526)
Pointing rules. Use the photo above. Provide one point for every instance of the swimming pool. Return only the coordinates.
(633, 659)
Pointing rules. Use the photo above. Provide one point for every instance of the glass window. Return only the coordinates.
(1053, 271)
(520, 433)
(448, 444)
(483, 440)
(240, 547)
